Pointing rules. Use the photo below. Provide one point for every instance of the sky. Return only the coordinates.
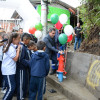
(73, 3)
(7, 13)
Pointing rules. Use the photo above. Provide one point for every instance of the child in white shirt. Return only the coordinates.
(9, 64)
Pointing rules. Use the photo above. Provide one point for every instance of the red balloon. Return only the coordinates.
(32, 30)
(69, 38)
(58, 25)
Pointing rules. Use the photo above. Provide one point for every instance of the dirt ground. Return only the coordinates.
(92, 43)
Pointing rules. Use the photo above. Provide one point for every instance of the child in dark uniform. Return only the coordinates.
(22, 68)
(39, 65)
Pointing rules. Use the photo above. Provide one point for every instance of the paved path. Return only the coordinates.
(47, 96)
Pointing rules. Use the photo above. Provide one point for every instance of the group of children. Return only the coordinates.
(24, 67)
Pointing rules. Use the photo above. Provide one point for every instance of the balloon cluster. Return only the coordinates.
(36, 31)
(59, 22)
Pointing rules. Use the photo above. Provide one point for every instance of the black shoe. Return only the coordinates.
(52, 91)
(53, 72)
(23, 98)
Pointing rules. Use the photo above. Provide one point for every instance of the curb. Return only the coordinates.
(65, 91)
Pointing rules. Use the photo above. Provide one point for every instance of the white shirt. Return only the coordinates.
(8, 64)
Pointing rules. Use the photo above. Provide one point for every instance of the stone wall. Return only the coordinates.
(85, 68)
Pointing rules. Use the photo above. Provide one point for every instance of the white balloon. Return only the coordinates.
(68, 30)
(38, 34)
(63, 18)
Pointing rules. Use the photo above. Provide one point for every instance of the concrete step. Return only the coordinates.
(53, 96)
(71, 88)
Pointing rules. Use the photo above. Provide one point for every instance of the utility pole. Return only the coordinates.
(77, 15)
(44, 12)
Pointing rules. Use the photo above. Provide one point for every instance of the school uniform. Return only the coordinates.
(1, 57)
(29, 55)
(8, 71)
(39, 65)
(22, 73)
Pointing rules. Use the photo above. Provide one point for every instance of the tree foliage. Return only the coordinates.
(90, 16)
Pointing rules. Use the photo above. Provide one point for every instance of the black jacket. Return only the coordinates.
(50, 46)
(21, 63)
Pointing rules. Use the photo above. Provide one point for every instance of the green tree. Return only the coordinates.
(90, 16)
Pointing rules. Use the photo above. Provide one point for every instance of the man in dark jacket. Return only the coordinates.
(51, 49)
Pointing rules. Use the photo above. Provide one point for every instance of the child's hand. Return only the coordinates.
(65, 51)
(19, 46)
(75, 34)
(1, 44)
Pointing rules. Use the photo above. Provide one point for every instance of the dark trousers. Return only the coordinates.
(37, 85)
(22, 83)
(2, 81)
(1, 77)
(11, 85)
(54, 61)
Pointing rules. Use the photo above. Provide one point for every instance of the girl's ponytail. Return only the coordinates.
(13, 35)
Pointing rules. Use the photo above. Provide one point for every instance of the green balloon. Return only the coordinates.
(62, 38)
(38, 26)
(54, 18)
